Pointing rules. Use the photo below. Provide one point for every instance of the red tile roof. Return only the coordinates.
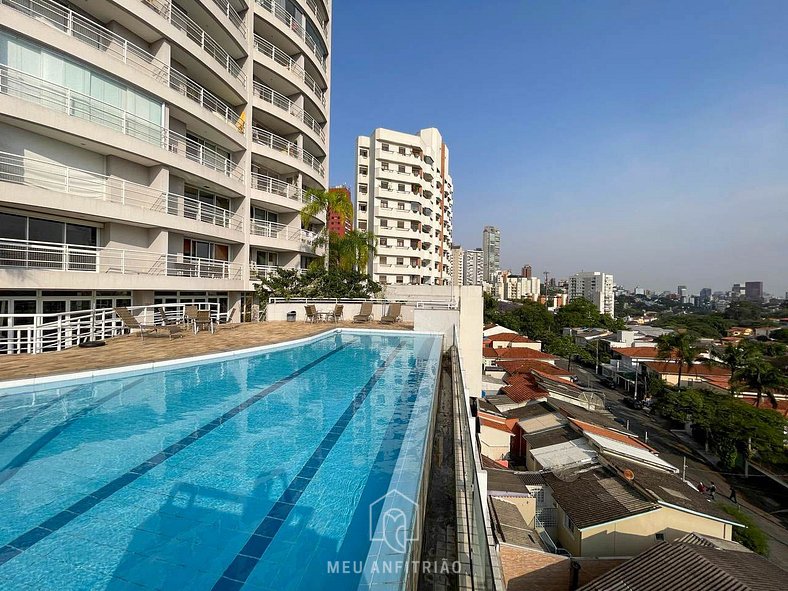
(610, 434)
(515, 353)
(526, 366)
(638, 352)
(523, 388)
(782, 405)
(511, 337)
(697, 369)
(494, 422)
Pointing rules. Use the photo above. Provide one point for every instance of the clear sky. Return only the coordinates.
(644, 139)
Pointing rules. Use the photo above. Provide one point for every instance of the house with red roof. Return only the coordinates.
(493, 356)
(511, 340)
(697, 373)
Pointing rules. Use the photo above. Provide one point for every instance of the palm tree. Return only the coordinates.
(319, 202)
(735, 357)
(356, 247)
(678, 346)
(760, 375)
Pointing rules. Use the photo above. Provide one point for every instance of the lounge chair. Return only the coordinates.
(130, 322)
(365, 314)
(229, 322)
(336, 315)
(311, 314)
(393, 315)
(200, 319)
(168, 318)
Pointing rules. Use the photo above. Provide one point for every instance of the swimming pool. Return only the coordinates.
(291, 467)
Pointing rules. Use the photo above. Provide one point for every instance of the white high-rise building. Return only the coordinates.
(518, 287)
(491, 247)
(404, 194)
(596, 287)
(473, 267)
(457, 264)
(157, 152)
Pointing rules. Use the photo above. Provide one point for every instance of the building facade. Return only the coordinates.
(336, 223)
(404, 194)
(491, 247)
(518, 287)
(157, 152)
(473, 266)
(594, 286)
(753, 291)
(457, 264)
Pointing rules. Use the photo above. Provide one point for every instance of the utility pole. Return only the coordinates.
(684, 468)
(596, 367)
(546, 275)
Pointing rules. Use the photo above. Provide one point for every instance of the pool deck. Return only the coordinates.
(131, 350)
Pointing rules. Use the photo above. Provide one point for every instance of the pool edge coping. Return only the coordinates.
(181, 361)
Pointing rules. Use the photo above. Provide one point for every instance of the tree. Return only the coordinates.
(678, 346)
(566, 346)
(750, 536)
(321, 202)
(734, 356)
(761, 376)
(744, 311)
(578, 312)
(531, 318)
(316, 283)
(352, 251)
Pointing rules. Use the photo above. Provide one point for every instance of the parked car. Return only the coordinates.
(607, 382)
(633, 403)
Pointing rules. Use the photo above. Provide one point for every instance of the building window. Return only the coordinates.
(568, 525)
(384, 147)
(384, 241)
(362, 207)
(660, 537)
(384, 203)
(401, 167)
(363, 152)
(362, 188)
(401, 206)
(382, 260)
(384, 165)
(363, 170)
(400, 242)
(384, 223)
(384, 184)
(401, 224)
(402, 150)
(401, 187)
(400, 261)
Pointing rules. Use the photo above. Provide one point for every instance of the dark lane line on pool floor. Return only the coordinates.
(27, 454)
(235, 575)
(51, 525)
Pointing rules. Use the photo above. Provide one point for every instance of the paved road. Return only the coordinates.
(761, 499)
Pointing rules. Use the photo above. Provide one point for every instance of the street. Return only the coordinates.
(763, 500)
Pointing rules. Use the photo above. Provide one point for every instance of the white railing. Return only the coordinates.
(175, 16)
(279, 100)
(112, 44)
(36, 333)
(230, 12)
(256, 270)
(53, 256)
(32, 172)
(280, 144)
(275, 230)
(283, 59)
(268, 184)
(294, 25)
(75, 104)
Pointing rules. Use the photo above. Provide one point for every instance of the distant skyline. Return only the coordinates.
(648, 140)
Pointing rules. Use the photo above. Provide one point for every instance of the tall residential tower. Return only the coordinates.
(491, 247)
(594, 286)
(404, 194)
(153, 151)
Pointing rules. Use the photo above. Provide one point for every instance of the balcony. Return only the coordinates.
(51, 256)
(177, 18)
(232, 15)
(279, 144)
(81, 106)
(273, 186)
(295, 26)
(280, 57)
(115, 46)
(283, 232)
(269, 95)
(32, 172)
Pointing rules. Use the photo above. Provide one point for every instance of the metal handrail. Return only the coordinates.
(36, 333)
(180, 20)
(279, 12)
(23, 170)
(276, 230)
(76, 104)
(280, 144)
(98, 259)
(283, 59)
(110, 43)
(269, 184)
(232, 15)
(279, 100)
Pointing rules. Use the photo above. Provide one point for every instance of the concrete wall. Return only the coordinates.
(470, 336)
(442, 321)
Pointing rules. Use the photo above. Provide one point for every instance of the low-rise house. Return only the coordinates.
(694, 562)
(492, 356)
(493, 329)
(495, 434)
(561, 456)
(511, 340)
(668, 371)
(621, 508)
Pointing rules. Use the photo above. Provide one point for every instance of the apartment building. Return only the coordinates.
(596, 287)
(457, 264)
(518, 287)
(404, 194)
(337, 223)
(154, 152)
(473, 266)
(491, 248)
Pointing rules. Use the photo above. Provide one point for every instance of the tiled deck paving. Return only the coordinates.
(129, 349)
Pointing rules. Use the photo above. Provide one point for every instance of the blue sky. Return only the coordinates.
(645, 139)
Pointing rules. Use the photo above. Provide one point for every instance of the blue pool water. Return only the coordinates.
(252, 472)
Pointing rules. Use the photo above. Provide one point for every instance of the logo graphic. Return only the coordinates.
(395, 525)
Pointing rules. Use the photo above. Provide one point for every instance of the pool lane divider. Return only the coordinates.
(236, 574)
(31, 537)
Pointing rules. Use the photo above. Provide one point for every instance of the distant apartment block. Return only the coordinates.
(518, 287)
(457, 263)
(404, 194)
(491, 247)
(683, 294)
(753, 291)
(473, 267)
(157, 152)
(337, 224)
(596, 287)
(527, 272)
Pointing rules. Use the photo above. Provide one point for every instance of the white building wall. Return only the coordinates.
(596, 287)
